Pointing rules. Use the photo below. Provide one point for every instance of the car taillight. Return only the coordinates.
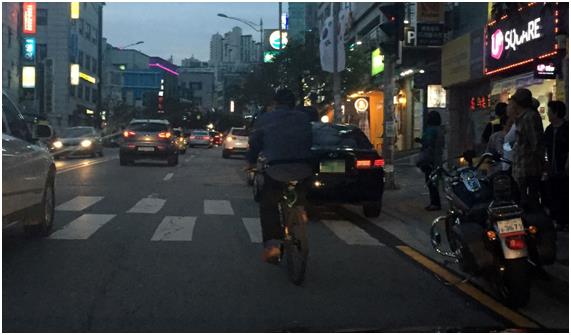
(165, 134)
(379, 163)
(128, 133)
(192, 137)
(515, 243)
(206, 137)
(363, 164)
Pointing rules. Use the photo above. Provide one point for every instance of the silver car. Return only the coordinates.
(236, 142)
(28, 173)
(199, 137)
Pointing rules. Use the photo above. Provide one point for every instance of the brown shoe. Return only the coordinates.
(271, 255)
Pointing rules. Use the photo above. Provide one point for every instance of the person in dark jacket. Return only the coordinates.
(284, 135)
(556, 139)
(494, 125)
(431, 155)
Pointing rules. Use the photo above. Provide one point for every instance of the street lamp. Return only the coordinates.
(132, 44)
(257, 27)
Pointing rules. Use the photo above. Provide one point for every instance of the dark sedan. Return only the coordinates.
(148, 139)
(348, 169)
(77, 141)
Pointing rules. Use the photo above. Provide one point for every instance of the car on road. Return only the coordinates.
(216, 137)
(236, 142)
(76, 141)
(199, 138)
(28, 173)
(347, 168)
(148, 139)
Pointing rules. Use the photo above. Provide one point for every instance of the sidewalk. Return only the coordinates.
(404, 216)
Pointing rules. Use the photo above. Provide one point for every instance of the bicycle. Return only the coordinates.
(293, 220)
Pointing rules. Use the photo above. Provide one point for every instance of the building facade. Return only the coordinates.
(11, 48)
(67, 34)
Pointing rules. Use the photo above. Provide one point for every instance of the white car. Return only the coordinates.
(236, 142)
(28, 173)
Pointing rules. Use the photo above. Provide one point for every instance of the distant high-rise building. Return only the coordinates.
(216, 49)
(302, 19)
(11, 48)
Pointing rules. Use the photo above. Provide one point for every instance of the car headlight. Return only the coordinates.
(86, 143)
(58, 144)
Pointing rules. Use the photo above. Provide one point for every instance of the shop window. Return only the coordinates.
(42, 17)
(42, 52)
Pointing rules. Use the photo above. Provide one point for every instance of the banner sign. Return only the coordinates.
(429, 34)
(29, 49)
(29, 17)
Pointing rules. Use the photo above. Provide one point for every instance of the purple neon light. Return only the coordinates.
(164, 68)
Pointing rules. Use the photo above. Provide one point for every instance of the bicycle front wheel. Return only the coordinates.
(296, 244)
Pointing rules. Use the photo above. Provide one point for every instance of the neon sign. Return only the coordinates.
(29, 49)
(29, 16)
(521, 40)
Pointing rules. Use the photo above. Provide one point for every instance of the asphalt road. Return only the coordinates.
(157, 248)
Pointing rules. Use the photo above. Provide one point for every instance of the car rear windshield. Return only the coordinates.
(200, 133)
(333, 136)
(240, 132)
(149, 127)
(76, 132)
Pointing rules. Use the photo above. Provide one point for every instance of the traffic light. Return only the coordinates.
(392, 25)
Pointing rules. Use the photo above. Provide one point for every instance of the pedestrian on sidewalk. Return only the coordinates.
(494, 125)
(529, 150)
(430, 156)
(496, 145)
(557, 147)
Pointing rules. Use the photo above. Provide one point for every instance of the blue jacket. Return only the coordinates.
(284, 135)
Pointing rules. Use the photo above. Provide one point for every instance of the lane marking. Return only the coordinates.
(350, 233)
(84, 164)
(484, 299)
(78, 203)
(168, 176)
(254, 229)
(82, 227)
(148, 206)
(175, 228)
(218, 207)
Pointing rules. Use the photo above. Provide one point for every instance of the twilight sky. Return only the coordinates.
(180, 29)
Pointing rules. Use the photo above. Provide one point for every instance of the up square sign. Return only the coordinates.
(521, 38)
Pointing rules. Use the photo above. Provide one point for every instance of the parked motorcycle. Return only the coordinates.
(488, 233)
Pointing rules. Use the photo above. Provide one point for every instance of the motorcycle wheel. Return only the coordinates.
(514, 283)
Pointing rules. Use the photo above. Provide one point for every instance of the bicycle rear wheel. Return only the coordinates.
(296, 244)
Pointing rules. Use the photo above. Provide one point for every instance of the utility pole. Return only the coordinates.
(261, 41)
(336, 76)
(389, 122)
(280, 23)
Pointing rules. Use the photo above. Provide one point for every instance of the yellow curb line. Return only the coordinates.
(509, 314)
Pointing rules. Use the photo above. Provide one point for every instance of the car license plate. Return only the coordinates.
(509, 227)
(332, 166)
(146, 149)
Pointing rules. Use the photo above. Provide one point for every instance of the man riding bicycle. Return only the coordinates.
(284, 136)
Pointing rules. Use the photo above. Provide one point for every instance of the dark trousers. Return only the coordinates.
(432, 189)
(559, 199)
(270, 196)
(529, 190)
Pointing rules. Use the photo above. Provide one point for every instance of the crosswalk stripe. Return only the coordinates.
(82, 227)
(254, 229)
(175, 228)
(350, 233)
(78, 203)
(218, 207)
(148, 206)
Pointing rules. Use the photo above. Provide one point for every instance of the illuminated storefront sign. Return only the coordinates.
(74, 74)
(377, 62)
(522, 39)
(275, 39)
(269, 56)
(75, 10)
(30, 49)
(28, 76)
(545, 70)
(87, 77)
(480, 102)
(29, 17)
(361, 105)
(436, 97)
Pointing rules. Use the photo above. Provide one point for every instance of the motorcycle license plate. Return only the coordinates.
(510, 227)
